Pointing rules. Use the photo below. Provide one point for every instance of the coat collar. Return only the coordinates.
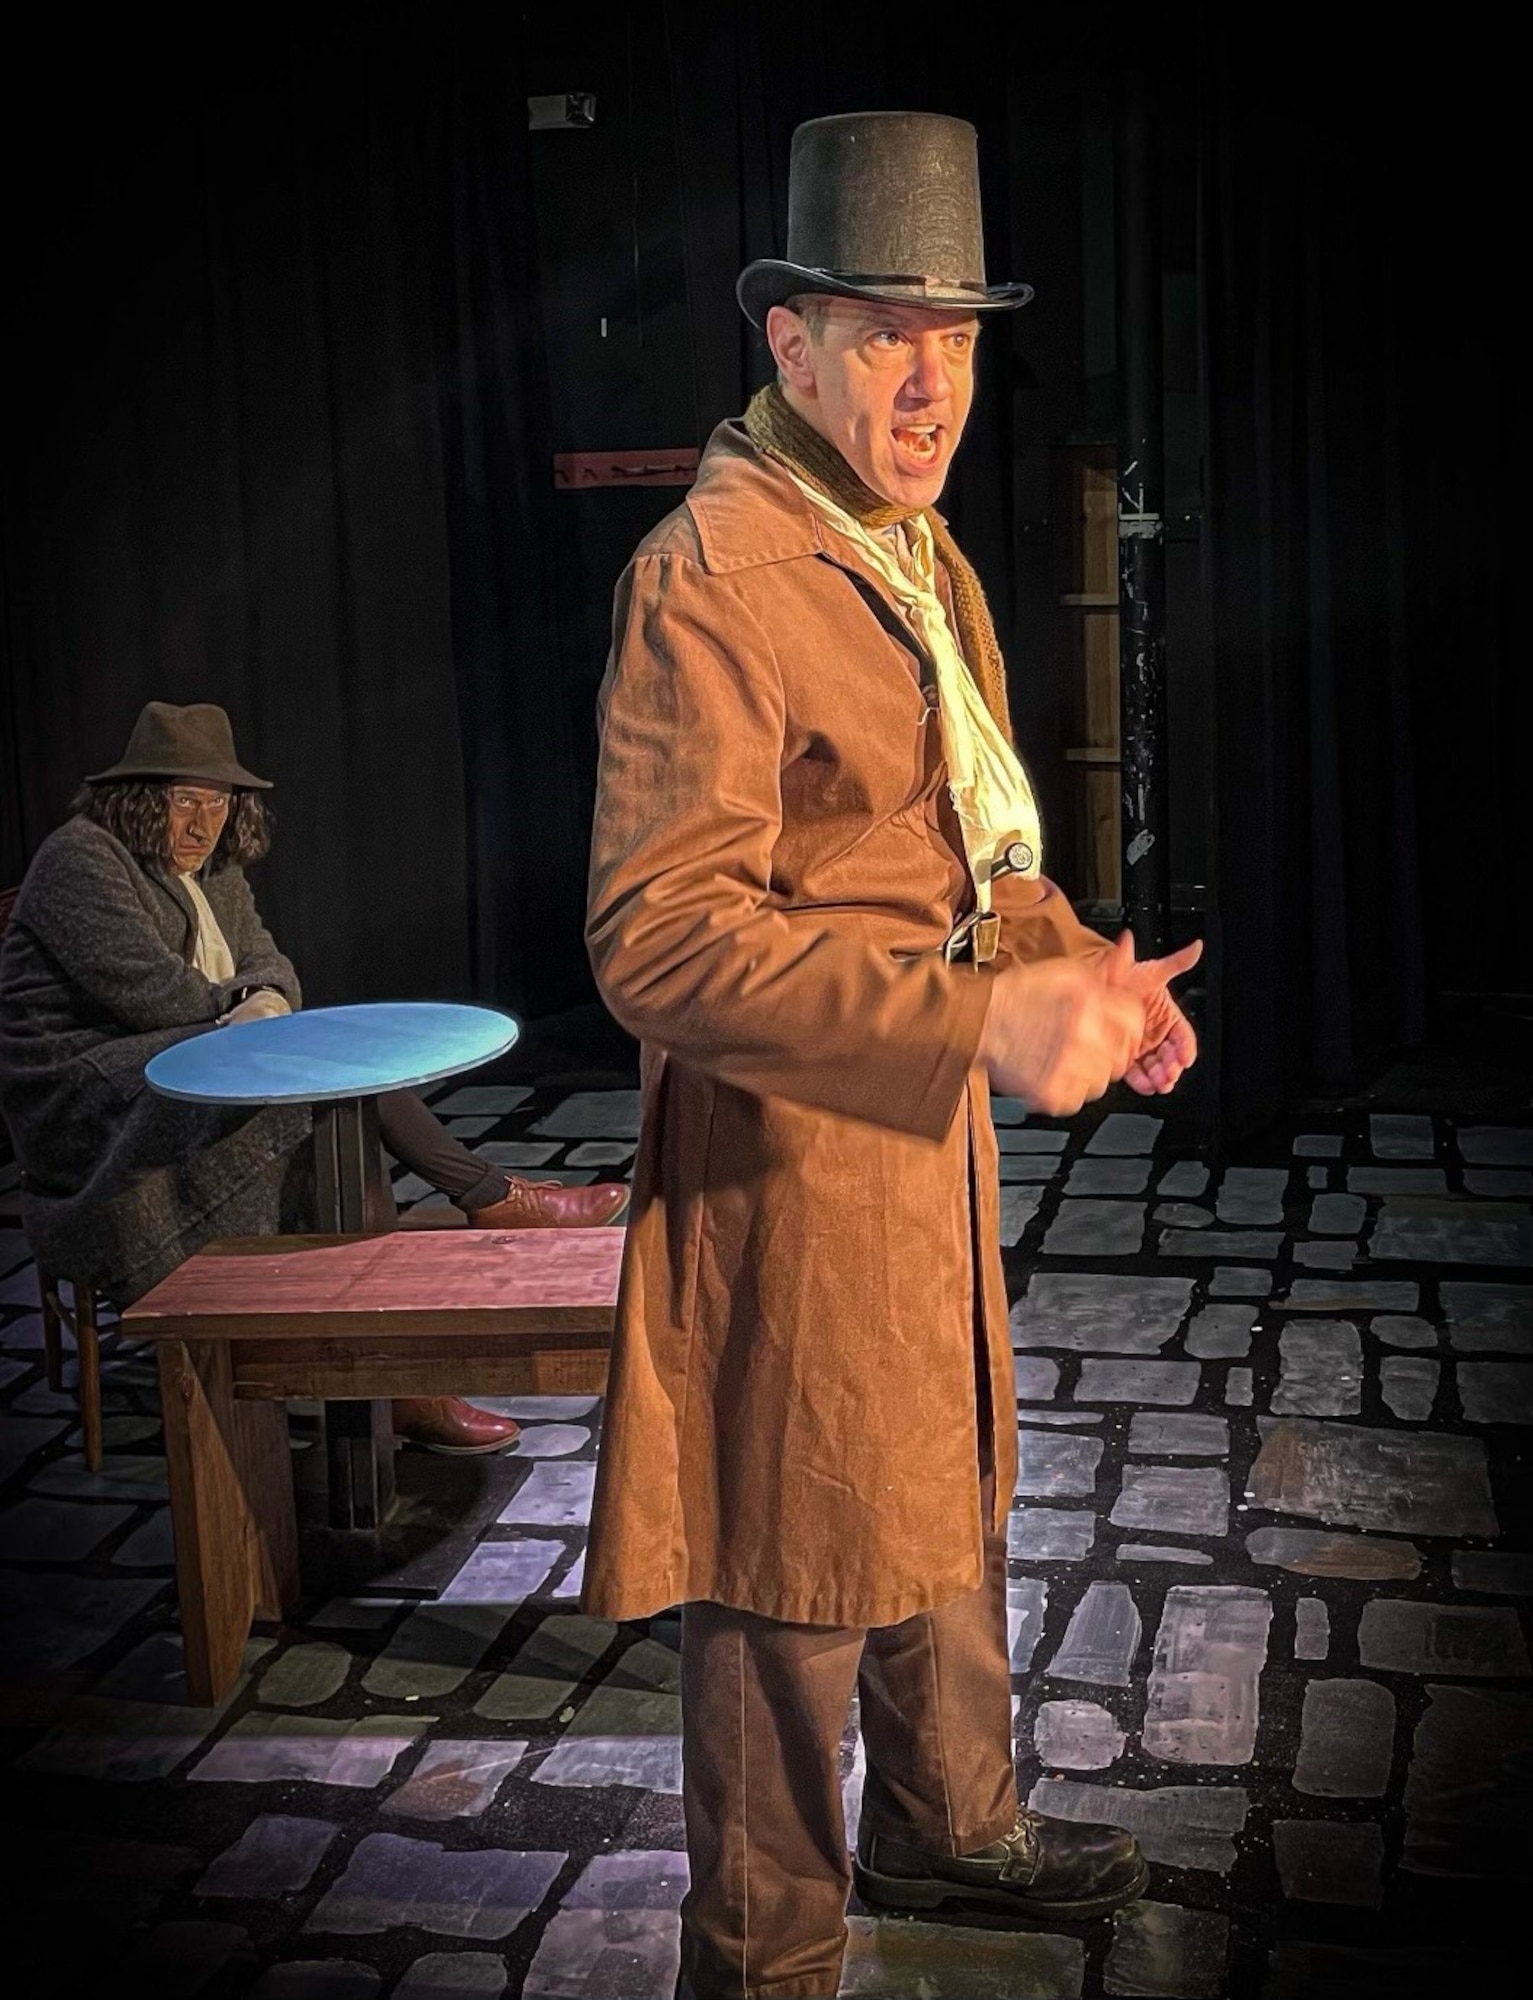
(748, 512)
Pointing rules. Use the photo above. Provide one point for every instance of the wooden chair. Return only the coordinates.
(82, 1316)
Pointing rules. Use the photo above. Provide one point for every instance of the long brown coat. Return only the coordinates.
(791, 1425)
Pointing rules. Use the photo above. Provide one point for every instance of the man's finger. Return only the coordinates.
(1165, 1075)
(1178, 962)
(1181, 1041)
(1175, 1053)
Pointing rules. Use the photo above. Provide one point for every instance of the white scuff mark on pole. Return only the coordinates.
(1140, 846)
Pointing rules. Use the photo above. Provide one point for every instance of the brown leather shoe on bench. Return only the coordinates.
(548, 1205)
(451, 1425)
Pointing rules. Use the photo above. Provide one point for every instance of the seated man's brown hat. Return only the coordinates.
(192, 742)
(882, 205)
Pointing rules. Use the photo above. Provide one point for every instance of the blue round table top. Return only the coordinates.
(324, 1053)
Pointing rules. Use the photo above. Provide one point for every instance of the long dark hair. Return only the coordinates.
(137, 812)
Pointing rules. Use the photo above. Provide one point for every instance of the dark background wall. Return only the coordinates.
(300, 311)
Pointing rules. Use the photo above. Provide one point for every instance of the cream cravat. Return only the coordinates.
(211, 955)
(989, 788)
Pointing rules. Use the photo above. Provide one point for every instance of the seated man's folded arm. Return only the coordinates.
(692, 951)
(86, 912)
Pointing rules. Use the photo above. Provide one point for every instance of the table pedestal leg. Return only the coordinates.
(359, 1441)
(348, 1167)
(353, 1198)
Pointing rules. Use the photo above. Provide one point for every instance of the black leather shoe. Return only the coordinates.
(1054, 1868)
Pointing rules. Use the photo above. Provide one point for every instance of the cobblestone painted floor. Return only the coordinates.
(1269, 1586)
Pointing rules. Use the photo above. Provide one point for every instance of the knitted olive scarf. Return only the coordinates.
(775, 427)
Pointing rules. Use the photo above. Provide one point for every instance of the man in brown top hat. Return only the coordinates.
(816, 898)
(135, 927)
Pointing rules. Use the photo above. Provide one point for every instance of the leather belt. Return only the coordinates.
(974, 939)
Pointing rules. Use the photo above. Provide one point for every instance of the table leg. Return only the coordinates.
(353, 1199)
(348, 1166)
(359, 1444)
(231, 1509)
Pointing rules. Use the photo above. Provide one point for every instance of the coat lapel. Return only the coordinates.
(177, 916)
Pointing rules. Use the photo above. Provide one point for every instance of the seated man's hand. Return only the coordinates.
(1057, 1033)
(1169, 1046)
(257, 1006)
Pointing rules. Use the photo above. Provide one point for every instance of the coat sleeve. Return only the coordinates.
(1037, 921)
(81, 905)
(692, 951)
(257, 961)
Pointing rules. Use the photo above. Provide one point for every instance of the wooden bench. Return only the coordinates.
(246, 1324)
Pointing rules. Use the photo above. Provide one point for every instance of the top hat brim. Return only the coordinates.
(771, 281)
(217, 773)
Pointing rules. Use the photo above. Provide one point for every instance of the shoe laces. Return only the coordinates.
(1024, 1843)
(528, 1196)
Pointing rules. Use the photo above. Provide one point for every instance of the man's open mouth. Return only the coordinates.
(919, 442)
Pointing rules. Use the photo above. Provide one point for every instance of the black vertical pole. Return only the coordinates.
(1141, 494)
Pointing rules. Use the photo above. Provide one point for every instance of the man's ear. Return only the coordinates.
(791, 343)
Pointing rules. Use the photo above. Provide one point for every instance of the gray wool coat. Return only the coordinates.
(119, 1184)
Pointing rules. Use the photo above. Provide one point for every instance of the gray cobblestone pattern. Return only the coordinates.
(1268, 1603)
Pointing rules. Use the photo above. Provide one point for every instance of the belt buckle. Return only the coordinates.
(975, 940)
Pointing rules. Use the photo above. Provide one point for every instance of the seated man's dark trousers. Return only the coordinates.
(420, 1141)
(764, 1706)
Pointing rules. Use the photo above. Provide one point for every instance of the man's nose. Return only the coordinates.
(929, 379)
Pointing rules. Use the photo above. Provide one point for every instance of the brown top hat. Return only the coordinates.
(191, 742)
(882, 205)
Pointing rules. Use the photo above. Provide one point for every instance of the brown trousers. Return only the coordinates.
(763, 1708)
(419, 1140)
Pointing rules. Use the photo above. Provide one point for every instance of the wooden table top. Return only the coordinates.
(406, 1282)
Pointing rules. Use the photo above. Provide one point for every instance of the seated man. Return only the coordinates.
(134, 928)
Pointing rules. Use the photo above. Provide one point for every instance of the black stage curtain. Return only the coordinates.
(1360, 404)
(297, 317)
(223, 478)
(272, 438)
(527, 706)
